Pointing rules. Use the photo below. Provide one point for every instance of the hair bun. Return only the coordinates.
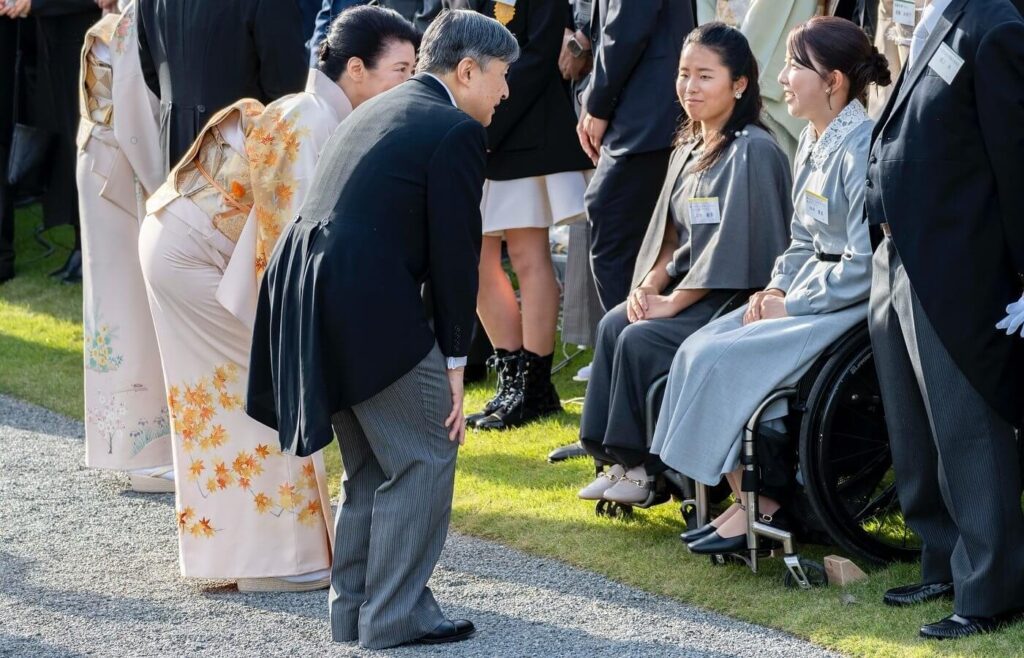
(881, 75)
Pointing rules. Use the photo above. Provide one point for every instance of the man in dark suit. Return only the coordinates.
(341, 330)
(8, 45)
(944, 191)
(631, 114)
(199, 57)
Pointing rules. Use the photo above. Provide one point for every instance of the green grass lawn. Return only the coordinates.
(505, 491)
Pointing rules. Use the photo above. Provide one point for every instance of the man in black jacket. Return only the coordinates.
(945, 192)
(198, 57)
(341, 329)
(631, 115)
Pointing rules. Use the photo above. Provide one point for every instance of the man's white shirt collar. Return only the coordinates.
(451, 96)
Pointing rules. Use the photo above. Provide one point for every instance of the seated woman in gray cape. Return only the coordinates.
(818, 291)
(721, 220)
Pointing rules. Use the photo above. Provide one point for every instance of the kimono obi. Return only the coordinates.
(98, 85)
(218, 181)
(214, 174)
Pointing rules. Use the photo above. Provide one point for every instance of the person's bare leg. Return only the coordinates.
(736, 524)
(530, 253)
(496, 300)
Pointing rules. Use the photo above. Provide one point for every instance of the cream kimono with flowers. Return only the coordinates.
(126, 422)
(244, 508)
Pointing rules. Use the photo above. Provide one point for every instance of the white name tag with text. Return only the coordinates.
(946, 63)
(904, 12)
(816, 207)
(704, 210)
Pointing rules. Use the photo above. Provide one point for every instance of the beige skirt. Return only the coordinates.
(537, 202)
(244, 509)
(126, 423)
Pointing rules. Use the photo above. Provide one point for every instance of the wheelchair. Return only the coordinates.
(844, 486)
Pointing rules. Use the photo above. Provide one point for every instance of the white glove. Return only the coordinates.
(1014, 319)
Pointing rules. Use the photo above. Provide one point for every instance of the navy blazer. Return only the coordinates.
(945, 172)
(636, 61)
(395, 202)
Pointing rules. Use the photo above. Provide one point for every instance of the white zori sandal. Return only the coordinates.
(605, 480)
(159, 479)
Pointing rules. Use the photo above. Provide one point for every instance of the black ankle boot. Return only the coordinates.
(534, 397)
(506, 364)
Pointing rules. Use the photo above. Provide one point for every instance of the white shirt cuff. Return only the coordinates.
(457, 362)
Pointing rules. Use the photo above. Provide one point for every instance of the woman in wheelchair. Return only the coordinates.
(818, 291)
(716, 229)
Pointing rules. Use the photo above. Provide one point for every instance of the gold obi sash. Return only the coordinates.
(99, 97)
(214, 172)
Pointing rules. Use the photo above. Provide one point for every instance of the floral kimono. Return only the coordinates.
(126, 422)
(245, 510)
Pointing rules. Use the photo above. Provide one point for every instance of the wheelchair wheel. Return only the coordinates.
(613, 510)
(813, 571)
(845, 459)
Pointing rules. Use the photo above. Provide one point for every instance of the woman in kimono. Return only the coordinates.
(819, 287)
(126, 424)
(535, 180)
(719, 224)
(247, 512)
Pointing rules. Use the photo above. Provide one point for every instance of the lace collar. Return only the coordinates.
(845, 122)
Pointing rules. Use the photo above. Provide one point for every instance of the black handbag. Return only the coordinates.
(31, 147)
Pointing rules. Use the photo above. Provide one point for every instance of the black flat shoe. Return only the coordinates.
(450, 630)
(690, 536)
(955, 626)
(716, 544)
(917, 593)
(73, 262)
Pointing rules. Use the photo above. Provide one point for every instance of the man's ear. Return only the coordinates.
(465, 70)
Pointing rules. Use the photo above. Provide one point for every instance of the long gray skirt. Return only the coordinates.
(628, 359)
(723, 372)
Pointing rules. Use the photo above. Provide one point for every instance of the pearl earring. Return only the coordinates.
(739, 95)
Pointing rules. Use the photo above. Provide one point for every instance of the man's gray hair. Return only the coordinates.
(458, 34)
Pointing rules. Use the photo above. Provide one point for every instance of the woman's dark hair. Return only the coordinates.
(733, 49)
(836, 44)
(364, 32)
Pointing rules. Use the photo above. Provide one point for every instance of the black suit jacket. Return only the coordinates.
(199, 56)
(534, 130)
(636, 60)
(946, 172)
(395, 202)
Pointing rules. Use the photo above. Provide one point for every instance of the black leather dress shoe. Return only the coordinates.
(955, 626)
(74, 258)
(716, 544)
(450, 630)
(691, 536)
(918, 593)
(73, 268)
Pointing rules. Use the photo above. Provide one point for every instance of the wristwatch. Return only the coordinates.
(576, 49)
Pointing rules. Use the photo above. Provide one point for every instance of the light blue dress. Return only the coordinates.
(724, 371)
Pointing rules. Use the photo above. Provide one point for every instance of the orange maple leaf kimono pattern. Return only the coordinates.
(126, 419)
(244, 508)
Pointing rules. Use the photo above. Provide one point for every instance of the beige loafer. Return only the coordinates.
(280, 585)
(631, 489)
(604, 481)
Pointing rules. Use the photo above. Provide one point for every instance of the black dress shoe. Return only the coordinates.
(716, 544)
(73, 269)
(450, 630)
(690, 536)
(918, 593)
(955, 626)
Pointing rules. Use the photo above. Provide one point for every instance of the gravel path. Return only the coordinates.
(88, 568)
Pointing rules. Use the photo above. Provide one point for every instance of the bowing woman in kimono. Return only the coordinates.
(246, 511)
(818, 291)
(119, 163)
(719, 224)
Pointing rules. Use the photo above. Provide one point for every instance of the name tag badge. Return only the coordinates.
(816, 207)
(704, 210)
(946, 63)
(904, 12)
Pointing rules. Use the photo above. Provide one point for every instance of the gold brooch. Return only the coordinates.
(504, 12)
